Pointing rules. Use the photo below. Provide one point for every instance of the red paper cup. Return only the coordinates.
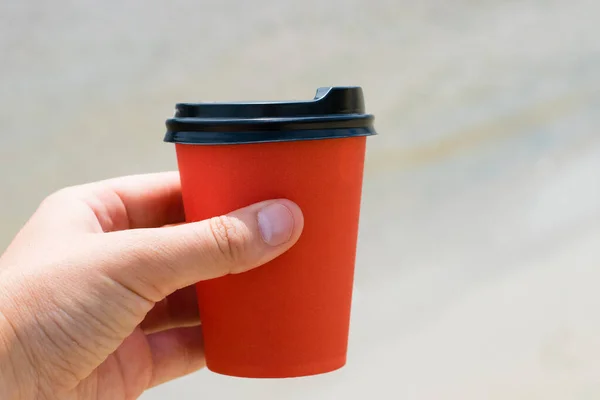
(291, 316)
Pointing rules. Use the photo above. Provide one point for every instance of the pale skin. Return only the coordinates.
(96, 301)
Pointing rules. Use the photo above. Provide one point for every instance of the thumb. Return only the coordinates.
(156, 262)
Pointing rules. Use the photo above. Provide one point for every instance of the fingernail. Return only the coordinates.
(276, 224)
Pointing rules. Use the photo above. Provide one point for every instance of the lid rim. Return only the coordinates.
(260, 120)
(271, 124)
(249, 137)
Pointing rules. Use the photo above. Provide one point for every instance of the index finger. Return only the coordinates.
(130, 202)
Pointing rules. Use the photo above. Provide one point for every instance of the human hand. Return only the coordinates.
(95, 295)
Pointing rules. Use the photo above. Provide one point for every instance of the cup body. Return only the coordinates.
(291, 316)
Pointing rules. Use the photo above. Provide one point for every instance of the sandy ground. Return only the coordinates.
(480, 236)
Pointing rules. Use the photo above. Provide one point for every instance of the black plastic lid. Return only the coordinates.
(335, 112)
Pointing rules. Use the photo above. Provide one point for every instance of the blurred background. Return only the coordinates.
(479, 253)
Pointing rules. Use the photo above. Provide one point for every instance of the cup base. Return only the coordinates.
(260, 372)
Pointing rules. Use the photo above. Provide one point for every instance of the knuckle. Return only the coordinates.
(64, 193)
(58, 197)
(230, 237)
